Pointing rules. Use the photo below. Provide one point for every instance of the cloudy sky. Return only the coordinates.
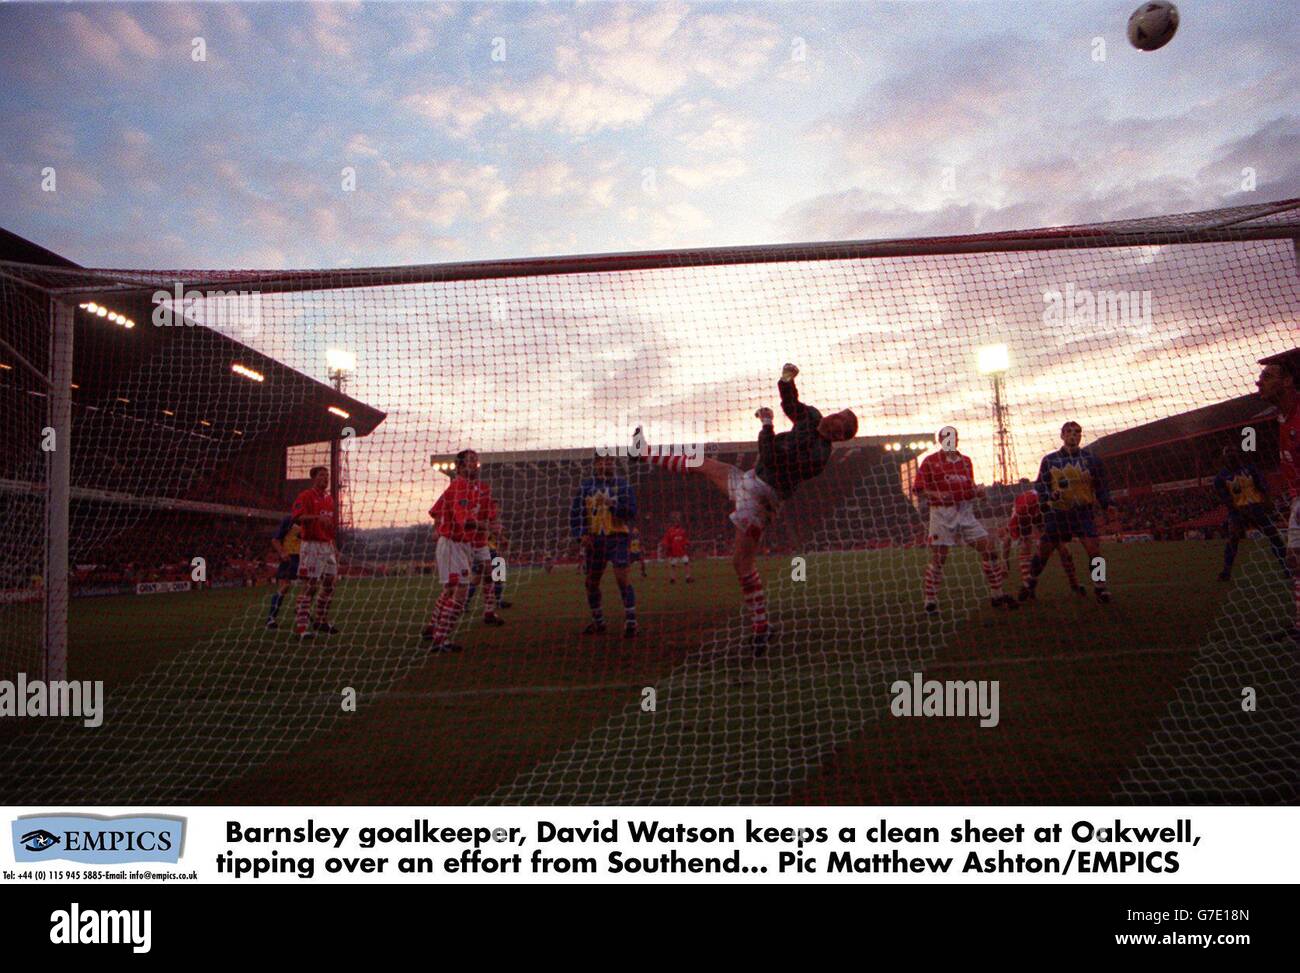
(327, 135)
(517, 129)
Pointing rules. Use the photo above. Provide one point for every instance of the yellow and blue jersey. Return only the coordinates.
(602, 507)
(1240, 487)
(1072, 481)
(290, 536)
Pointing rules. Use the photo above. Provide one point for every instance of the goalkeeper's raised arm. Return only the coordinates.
(795, 410)
(785, 460)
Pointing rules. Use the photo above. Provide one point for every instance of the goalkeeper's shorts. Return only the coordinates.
(1060, 526)
(1256, 515)
(756, 502)
(1293, 526)
(288, 569)
(607, 549)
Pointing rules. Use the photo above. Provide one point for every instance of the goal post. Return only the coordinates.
(57, 438)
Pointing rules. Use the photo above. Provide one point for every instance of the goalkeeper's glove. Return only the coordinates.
(788, 372)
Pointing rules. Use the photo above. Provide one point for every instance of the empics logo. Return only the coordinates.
(98, 841)
(38, 841)
(76, 926)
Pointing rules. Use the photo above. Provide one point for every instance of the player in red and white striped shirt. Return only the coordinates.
(1277, 386)
(946, 479)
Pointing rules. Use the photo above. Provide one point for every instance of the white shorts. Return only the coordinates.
(1293, 527)
(317, 559)
(679, 560)
(954, 525)
(756, 502)
(459, 559)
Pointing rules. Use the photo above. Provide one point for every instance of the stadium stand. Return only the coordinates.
(858, 503)
(163, 467)
(1161, 472)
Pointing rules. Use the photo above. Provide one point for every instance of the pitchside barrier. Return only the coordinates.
(156, 419)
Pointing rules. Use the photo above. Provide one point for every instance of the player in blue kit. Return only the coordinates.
(287, 543)
(600, 520)
(1071, 485)
(1241, 489)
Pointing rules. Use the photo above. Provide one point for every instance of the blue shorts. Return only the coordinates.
(1060, 526)
(1254, 515)
(607, 547)
(288, 569)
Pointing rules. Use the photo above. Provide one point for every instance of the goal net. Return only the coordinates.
(159, 426)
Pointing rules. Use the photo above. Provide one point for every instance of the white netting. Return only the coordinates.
(176, 456)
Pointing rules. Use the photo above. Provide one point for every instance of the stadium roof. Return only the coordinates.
(20, 250)
(207, 355)
(1220, 417)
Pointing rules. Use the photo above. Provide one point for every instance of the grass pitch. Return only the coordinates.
(1137, 700)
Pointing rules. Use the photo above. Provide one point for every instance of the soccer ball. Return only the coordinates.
(1152, 25)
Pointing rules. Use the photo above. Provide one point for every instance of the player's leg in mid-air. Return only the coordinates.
(755, 505)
